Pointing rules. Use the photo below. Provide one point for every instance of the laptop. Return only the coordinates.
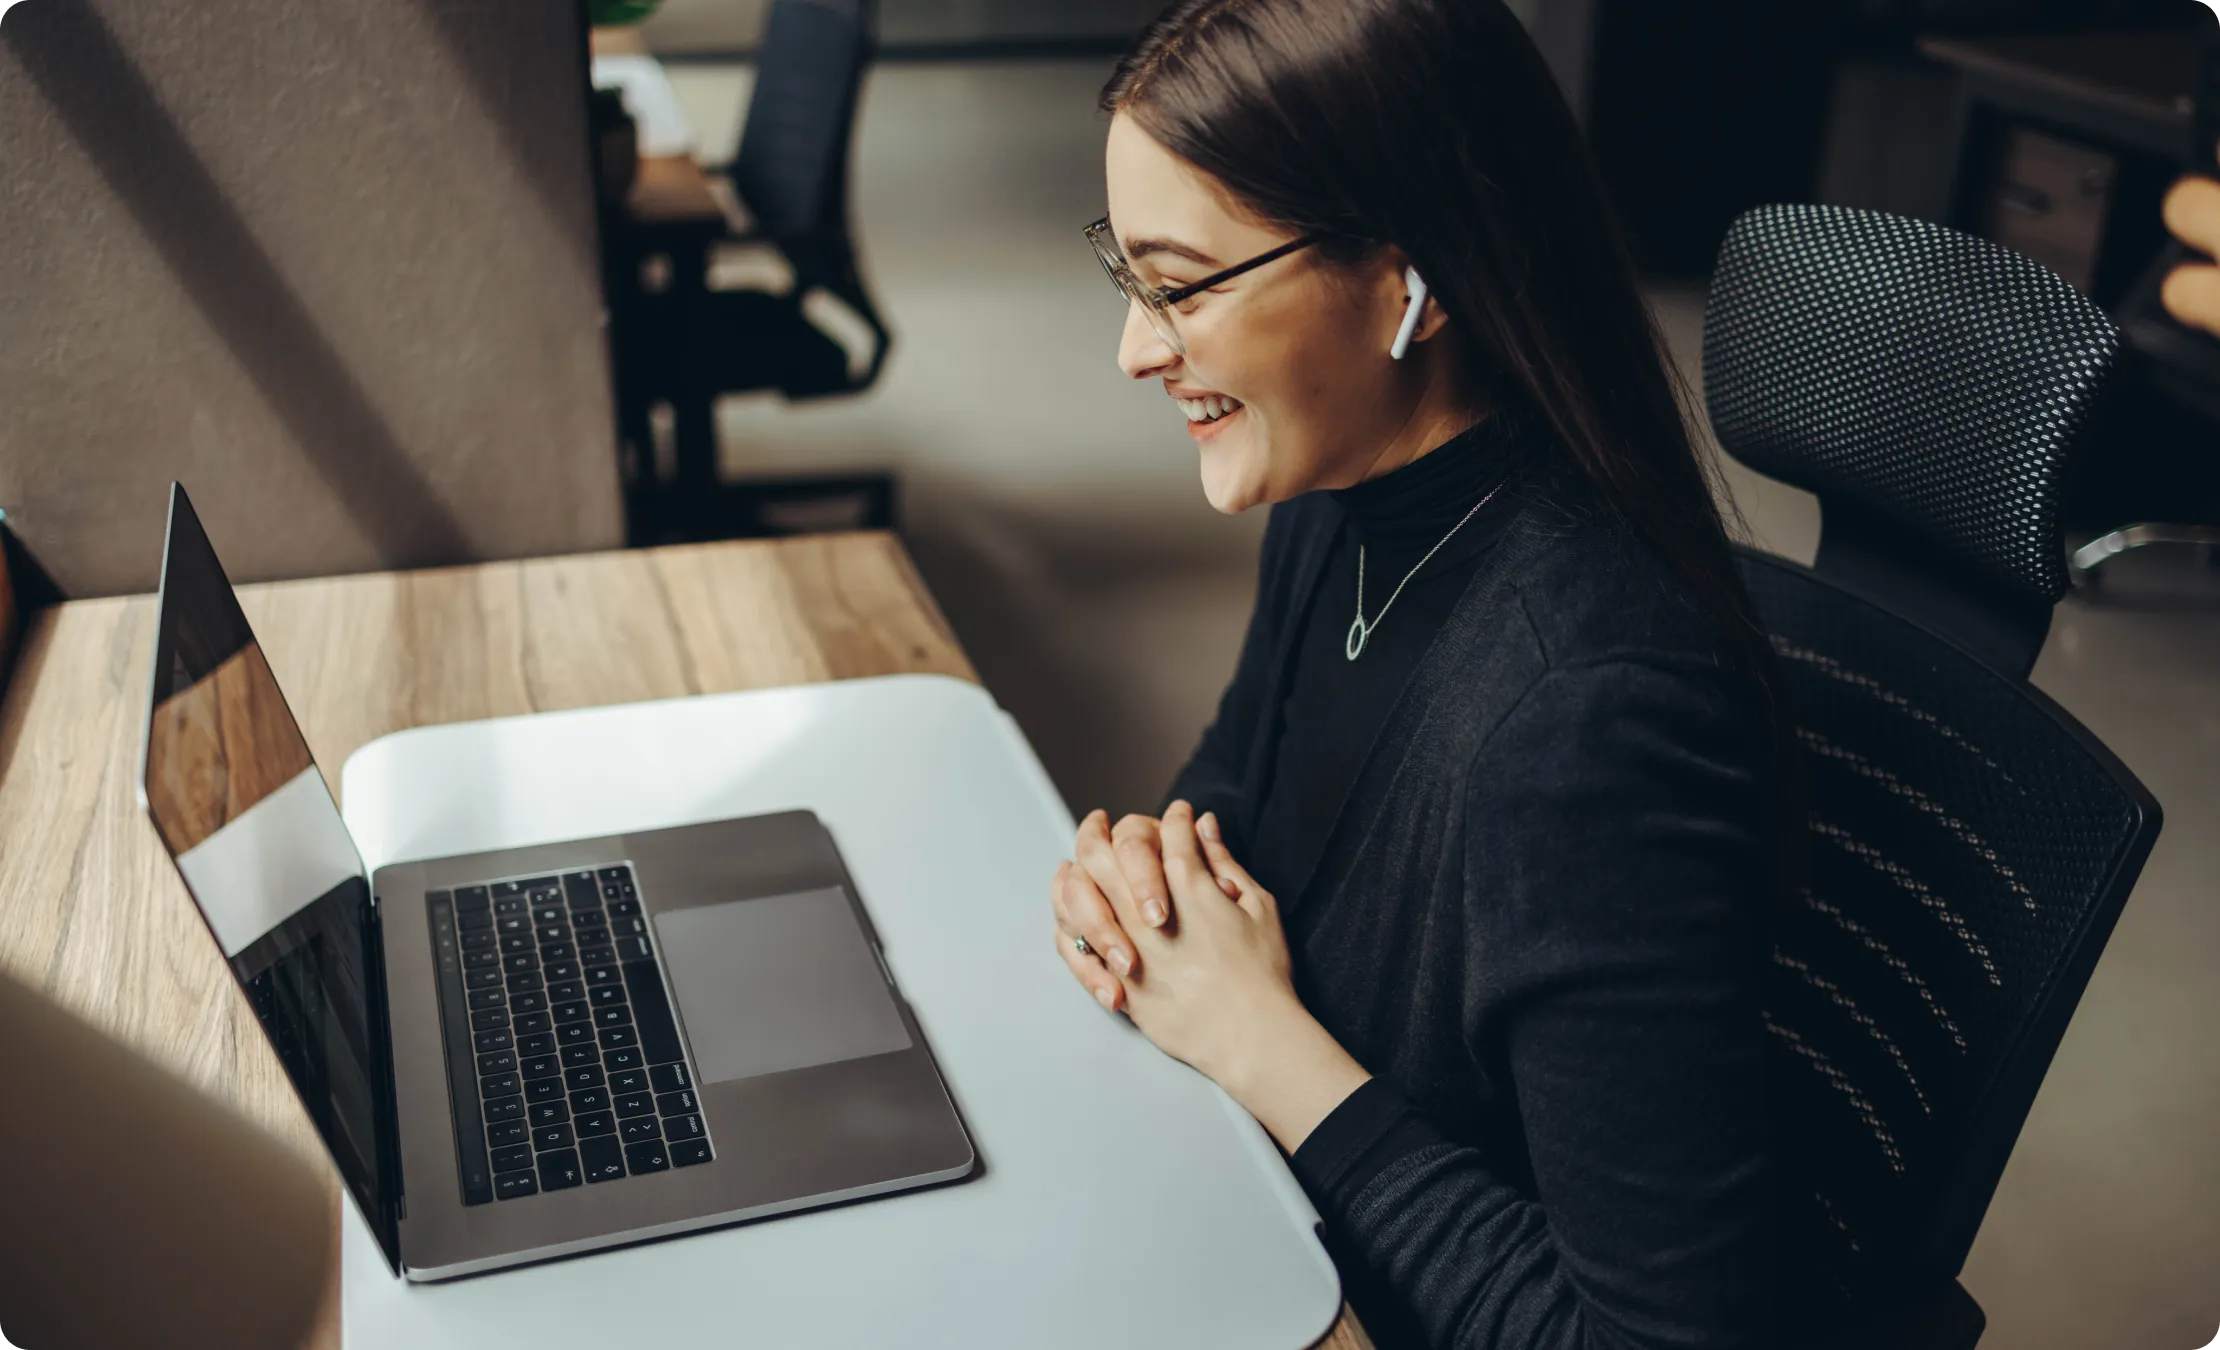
(542, 1051)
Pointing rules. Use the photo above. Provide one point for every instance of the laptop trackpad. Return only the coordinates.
(778, 983)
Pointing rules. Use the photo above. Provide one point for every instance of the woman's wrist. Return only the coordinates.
(1292, 1075)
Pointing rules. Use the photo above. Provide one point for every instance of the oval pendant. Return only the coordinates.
(1360, 633)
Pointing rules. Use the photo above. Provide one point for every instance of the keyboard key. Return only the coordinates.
(678, 1103)
(631, 925)
(631, 1080)
(548, 1137)
(483, 957)
(488, 998)
(480, 940)
(586, 920)
(559, 1171)
(595, 1122)
(523, 981)
(631, 948)
(547, 1113)
(515, 922)
(485, 1041)
(474, 923)
(580, 888)
(612, 1038)
(562, 970)
(621, 1059)
(619, 872)
(603, 1159)
(557, 951)
(549, 933)
(529, 1001)
(588, 1100)
(489, 1019)
(500, 1061)
(683, 1127)
(623, 909)
(471, 900)
(572, 1011)
(635, 1104)
(600, 975)
(548, 913)
(541, 1066)
(605, 994)
(510, 1185)
(531, 1023)
(647, 1157)
(576, 1033)
(576, 1055)
(639, 1127)
(689, 1152)
(513, 1158)
(669, 1077)
(542, 1044)
(500, 1085)
(504, 1108)
(615, 1016)
(512, 943)
(566, 991)
(482, 979)
(509, 905)
(584, 1076)
(508, 1132)
(520, 961)
(543, 1089)
(501, 889)
(592, 956)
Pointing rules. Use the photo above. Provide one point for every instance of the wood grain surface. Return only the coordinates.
(91, 910)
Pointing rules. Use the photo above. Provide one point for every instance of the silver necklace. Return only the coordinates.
(1360, 631)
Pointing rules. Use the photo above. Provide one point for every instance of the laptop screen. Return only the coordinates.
(255, 833)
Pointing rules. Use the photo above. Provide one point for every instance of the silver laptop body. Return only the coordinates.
(535, 1052)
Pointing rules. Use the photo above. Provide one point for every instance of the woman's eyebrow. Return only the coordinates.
(1138, 249)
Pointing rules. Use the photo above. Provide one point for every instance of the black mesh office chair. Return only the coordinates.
(1970, 843)
(792, 175)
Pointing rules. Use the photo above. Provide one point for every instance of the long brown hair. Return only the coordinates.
(1435, 126)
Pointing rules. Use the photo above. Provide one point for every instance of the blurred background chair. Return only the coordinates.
(1970, 844)
(685, 341)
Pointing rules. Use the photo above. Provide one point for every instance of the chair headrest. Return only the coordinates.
(1923, 377)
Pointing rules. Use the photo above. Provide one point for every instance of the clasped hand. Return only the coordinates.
(1183, 941)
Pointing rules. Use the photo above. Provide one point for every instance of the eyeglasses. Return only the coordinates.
(1156, 301)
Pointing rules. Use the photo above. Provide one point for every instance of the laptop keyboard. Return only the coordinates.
(563, 1060)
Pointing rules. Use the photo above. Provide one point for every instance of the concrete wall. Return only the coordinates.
(332, 265)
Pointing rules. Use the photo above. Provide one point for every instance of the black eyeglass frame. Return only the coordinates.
(1160, 299)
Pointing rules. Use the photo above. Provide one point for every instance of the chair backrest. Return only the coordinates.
(1929, 387)
(792, 169)
(1970, 847)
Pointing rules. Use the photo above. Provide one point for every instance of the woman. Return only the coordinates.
(1464, 894)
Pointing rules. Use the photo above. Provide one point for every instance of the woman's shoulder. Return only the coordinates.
(1593, 591)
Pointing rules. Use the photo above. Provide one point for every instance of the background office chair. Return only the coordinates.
(1970, 844)
(792, 175)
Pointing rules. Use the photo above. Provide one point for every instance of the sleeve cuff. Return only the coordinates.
(1371, 1128)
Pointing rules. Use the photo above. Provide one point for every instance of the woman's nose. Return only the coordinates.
(1142, 354)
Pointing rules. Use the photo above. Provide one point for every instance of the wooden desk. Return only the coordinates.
(91, 909)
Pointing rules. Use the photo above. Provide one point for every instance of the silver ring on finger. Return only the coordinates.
(1079, 944)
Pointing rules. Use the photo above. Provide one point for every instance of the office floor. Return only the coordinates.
(1053, 507)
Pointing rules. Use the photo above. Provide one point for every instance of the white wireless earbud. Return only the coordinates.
(1410, 316)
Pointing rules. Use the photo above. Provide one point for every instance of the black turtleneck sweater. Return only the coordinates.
(1523, 853)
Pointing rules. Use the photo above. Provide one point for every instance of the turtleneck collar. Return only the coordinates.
(1415, 505)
